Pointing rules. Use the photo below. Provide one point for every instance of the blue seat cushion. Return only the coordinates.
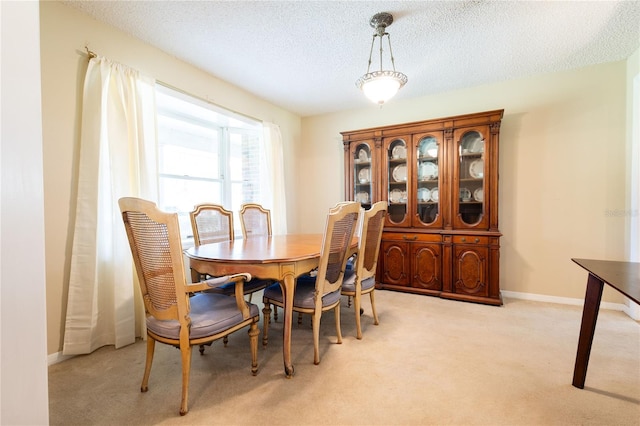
(303, 297)
(349, 282)
(211, 313)
(351, 263)
(254, 285)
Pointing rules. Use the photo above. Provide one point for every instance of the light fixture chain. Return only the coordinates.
(393, 64)
(373, 41)
(381, 37)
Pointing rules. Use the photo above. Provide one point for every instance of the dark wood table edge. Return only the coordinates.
(634, 298)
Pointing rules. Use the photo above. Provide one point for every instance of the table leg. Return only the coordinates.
(195, 276)
(288, 289)
(587, 329)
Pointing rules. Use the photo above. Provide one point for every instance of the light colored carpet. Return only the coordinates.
(430, 361)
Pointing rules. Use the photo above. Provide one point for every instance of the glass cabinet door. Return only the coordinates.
(363, 175)
(471, 177)
(428, 178)
(397, 178)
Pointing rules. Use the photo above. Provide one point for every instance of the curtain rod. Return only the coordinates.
(90, 54)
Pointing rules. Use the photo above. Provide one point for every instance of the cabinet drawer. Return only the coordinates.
(411, 237)
(470, 239)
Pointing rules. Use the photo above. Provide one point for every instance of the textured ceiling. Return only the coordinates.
(305, 56)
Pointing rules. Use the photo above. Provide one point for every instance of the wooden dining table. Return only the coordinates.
(280, 257)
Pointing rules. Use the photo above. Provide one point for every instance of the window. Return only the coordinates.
(206, 154)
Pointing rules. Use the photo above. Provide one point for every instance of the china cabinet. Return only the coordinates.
(440, 180)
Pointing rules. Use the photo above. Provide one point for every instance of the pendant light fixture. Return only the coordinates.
(380, 86)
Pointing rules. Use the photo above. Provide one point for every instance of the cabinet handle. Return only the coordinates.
(413, 238)
(464, 240)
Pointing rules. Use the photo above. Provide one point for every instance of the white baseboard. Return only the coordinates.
(629, 308)
(632, 309)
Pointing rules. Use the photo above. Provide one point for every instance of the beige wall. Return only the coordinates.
(562, 169)
(562, 155)
(633, 158)
(64, 34)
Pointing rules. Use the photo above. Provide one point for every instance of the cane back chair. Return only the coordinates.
(362, 279)
(255, 220)
(210, 223)
(178, 313)
(323, 293)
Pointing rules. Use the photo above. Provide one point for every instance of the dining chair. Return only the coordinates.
(212, 223)
(179, 313)
(255, 220)
(362, 278)
(322, 294)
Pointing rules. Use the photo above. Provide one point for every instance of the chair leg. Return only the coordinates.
(266, 316)
(151, 345)
(201, 349)
(299, 318)
(357, 303)
(275, 313)
(225, 340)
(315, 325)
(185, 352)
(253, 341)
(373, 309)
(338, 329)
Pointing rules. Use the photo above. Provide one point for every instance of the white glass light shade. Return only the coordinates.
(380, 86)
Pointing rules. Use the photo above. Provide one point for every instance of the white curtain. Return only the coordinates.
(117, 158)
(275, 167)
